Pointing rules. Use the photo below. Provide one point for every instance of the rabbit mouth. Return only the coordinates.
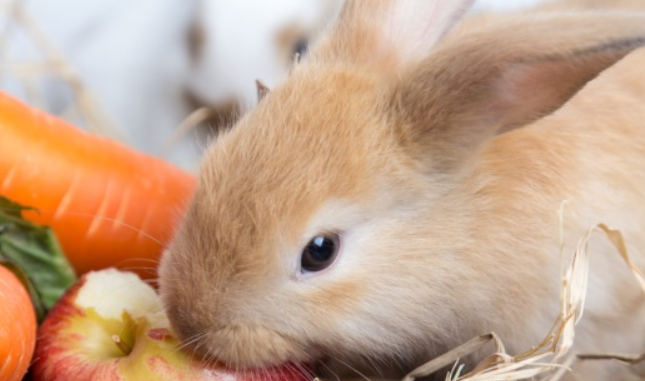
(249, 347)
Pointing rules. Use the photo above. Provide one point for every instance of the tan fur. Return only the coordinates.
(444, 178)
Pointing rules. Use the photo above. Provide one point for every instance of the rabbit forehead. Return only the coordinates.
(291, 154)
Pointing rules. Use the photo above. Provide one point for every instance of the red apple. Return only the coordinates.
(111, 326)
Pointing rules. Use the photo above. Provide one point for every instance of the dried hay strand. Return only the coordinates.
(84, 106)
(190, 123)
(550, 360)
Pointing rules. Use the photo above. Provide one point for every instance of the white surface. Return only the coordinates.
(130, 54)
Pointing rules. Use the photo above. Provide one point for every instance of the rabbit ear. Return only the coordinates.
(395, 31)
(486, 83)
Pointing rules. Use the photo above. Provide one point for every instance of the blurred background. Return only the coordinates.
(159, 75)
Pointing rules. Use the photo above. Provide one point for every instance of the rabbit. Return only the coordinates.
(400, 194)
(237, 42)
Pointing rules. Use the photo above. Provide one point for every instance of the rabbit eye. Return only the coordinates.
(320, 252)
(301, 47)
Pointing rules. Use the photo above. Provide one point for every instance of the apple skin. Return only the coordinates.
(110, 327)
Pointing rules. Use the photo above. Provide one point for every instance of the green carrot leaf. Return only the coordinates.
(32, 253)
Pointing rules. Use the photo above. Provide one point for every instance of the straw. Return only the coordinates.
(550, 359)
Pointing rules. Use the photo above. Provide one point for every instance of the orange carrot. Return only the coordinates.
(108, 205)
(17, 327)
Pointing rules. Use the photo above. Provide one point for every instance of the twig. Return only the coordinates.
(193, 120)
(621, 357)
(450, 357)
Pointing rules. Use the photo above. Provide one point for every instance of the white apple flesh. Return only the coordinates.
(111, 327)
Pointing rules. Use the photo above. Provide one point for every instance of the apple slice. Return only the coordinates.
(111, 326)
